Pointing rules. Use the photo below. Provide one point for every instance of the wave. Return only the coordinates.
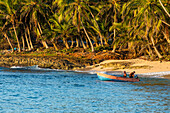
(156, 74)
(34, 67)
(25, 67)
(95, 72)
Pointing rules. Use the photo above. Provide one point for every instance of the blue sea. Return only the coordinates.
(36, 90)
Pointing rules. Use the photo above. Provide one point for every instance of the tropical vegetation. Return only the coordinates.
(140, 27)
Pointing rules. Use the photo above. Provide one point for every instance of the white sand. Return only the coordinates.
(155, 67)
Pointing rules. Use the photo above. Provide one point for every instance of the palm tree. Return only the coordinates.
(9, 13)
(6, 36)
(62, 29)
(76, 9)
(3, 32)
(164, 8)
(147, 19)
(109, 13)
(33, 14)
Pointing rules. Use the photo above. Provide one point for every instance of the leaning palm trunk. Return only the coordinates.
(9, 41)
(28, 31)
(166, 34)
(82, 43)
(66, 43)
(40, 32)
(105, 41)
(44, 44)
(114, 48)
(115, 20)
(23, 43)
(101, 37)
(29, 48)
(87, 43)
(56, 48)
(153, 43)
(147, 39)
(92, 48)
(19, 48)
(164, 8)
(156, 50)
(77, 42)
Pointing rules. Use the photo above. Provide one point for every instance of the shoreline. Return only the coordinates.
(140, 66)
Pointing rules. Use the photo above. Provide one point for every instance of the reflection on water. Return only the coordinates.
(61, 91)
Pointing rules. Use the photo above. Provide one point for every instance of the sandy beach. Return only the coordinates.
(140, 66)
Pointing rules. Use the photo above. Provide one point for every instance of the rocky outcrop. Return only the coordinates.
(46, 62)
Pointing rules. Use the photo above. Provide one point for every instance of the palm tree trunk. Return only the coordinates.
(114, 31)
(115, 20)
(77, 42)
(105, 41)
(19, 48)
(72, 43)
(114, 45)
(65, 43)
(166, 34)
(9, 41)
(153, 43)
(43, 42)
(92, 48)
(23, 43)
(29, 48)
(101, 37)
(28, 31)
(147, 39)
(156, 50)
(56, 48)
(78, 28)
(114, 48)
(82, 43)
(166, 37)
(164, 8)
(87, 43)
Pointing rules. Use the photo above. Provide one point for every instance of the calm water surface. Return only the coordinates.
(47, 91)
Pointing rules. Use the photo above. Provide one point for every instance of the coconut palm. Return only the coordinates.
(164, 8)
(33, 13)
(77, 10)
(109, 12)
(9, 13)
(61, 29)
(148, 17)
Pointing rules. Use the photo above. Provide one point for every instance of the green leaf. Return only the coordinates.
(159, 24)
(60, 18)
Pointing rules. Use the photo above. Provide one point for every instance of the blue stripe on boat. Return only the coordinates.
(108, 79)
(104, 78)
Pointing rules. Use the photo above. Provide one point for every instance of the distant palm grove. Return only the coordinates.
(138, 26)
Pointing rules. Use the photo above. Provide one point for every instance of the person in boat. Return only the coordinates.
(124, 75)
(132, 74)
(136, 76)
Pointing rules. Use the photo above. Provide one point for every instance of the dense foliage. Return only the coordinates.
(138, 26)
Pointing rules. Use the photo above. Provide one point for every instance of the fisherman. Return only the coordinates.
(136, 76)
(124, 75)
(132, 74)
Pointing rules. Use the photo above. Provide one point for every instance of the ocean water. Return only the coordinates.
(36, 90)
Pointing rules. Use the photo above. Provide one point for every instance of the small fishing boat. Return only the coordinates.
(106, 77)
